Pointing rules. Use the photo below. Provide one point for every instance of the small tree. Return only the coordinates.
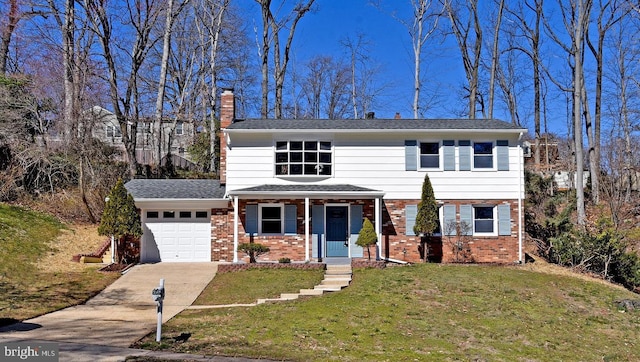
(367, 236)
(427, 219)
(120, 219)
(253, 250)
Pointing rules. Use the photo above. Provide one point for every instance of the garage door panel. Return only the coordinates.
(179, 240)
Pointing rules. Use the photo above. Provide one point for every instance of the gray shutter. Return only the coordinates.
(449, 218)
(411, 155)
(464, 150)
(504, 219)
(410, 213)
(317, 228)
(502, 151)
(290, 219)
(449, 155)
(466, 217)
(356, 226)
(251, 222)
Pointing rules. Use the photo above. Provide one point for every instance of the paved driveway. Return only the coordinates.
(124, 312)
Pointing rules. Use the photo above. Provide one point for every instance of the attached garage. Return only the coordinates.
(176, 218)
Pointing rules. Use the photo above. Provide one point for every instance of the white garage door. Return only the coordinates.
(176, 236)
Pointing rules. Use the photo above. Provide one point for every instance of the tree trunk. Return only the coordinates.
(162, 81)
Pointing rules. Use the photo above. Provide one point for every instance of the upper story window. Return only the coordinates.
(113, 131)
(180, 128)
(429, 155)
(483, 154)
(303, 158)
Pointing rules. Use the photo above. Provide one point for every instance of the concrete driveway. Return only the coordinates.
(124, 312)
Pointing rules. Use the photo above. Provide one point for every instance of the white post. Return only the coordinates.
(159, 310)
(113, 254)
(378, 217)
(236, 220)
(306, 229)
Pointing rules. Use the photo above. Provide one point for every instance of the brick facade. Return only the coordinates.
(396, 244)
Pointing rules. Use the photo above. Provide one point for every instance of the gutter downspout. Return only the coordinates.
(235, 229)
(520, 191)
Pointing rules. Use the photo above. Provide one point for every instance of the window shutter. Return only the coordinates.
(449, 218)
(290, 219)
(411, 155)
(251, 223)
(410, 213)
(356, 219)
(466, 217)
(504, 219)
(464, 150)
(503, 155)
(317, 229)
(449, 155)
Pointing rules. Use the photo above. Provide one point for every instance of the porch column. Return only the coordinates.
(378, 223)
(306, 229)
(236, 219)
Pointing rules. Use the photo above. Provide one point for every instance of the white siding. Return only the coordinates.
(377, 162)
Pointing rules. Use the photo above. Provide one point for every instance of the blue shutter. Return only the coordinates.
(449, 155)
(410, 213)
(502, 151)
(251, 222)
(290, 219)
(504, 219)
(356, 219)
(411, 155)
(449, 220)
(464, 150)
(356, 226)
(317, 229)
(466, 217)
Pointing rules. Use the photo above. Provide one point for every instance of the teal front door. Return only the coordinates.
(337, 221)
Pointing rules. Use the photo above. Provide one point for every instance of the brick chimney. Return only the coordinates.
(397, 116)
(227, 115)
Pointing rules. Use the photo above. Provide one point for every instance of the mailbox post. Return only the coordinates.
(158, 297)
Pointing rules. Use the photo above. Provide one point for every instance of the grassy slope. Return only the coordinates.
(427, 311)
(25, 289)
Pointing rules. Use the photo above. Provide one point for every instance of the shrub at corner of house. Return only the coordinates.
(253, 250)
(120, 219)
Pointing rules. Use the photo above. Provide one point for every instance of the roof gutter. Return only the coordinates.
(437, 130)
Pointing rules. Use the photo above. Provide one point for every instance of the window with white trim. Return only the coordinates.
(179, 128)
(271, 219)
(483, 219)
(429, 155)
(303, 158)
(113, 131)
(483, 154)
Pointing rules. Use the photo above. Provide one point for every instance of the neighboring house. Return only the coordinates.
(303, 188)
(107, 129)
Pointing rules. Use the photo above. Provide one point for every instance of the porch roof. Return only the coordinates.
(312, 191)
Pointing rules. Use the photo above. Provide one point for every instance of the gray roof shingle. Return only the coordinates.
(184, 189)
(373, 124)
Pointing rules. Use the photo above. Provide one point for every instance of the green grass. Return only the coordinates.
(26, 291)
(423, 312)
(228, 288)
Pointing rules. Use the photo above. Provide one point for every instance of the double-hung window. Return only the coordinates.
(179, 128)
(429, 155)
(303, 158)
(483, 219)
(113, 131)
(270, 219)
(483, 154)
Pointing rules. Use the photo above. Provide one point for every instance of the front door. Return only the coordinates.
(337, 221)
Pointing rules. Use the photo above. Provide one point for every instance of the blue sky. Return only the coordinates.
(320, 33)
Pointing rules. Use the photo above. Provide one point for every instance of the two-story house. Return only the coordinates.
(304, 187)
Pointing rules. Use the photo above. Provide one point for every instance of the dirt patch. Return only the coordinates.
(78, 239)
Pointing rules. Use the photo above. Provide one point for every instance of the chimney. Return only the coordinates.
(370, 115)
(397, 116)
(227, 115)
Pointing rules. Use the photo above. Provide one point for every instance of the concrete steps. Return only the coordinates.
(336, 277)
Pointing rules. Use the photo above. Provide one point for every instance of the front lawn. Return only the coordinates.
(30, 285)
(423, 312)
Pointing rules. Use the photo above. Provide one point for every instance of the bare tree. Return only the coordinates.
(495, 57)
(280, 58)
(467, 29)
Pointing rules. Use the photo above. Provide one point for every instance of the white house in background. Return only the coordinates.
(107, 129)
(304, 187)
